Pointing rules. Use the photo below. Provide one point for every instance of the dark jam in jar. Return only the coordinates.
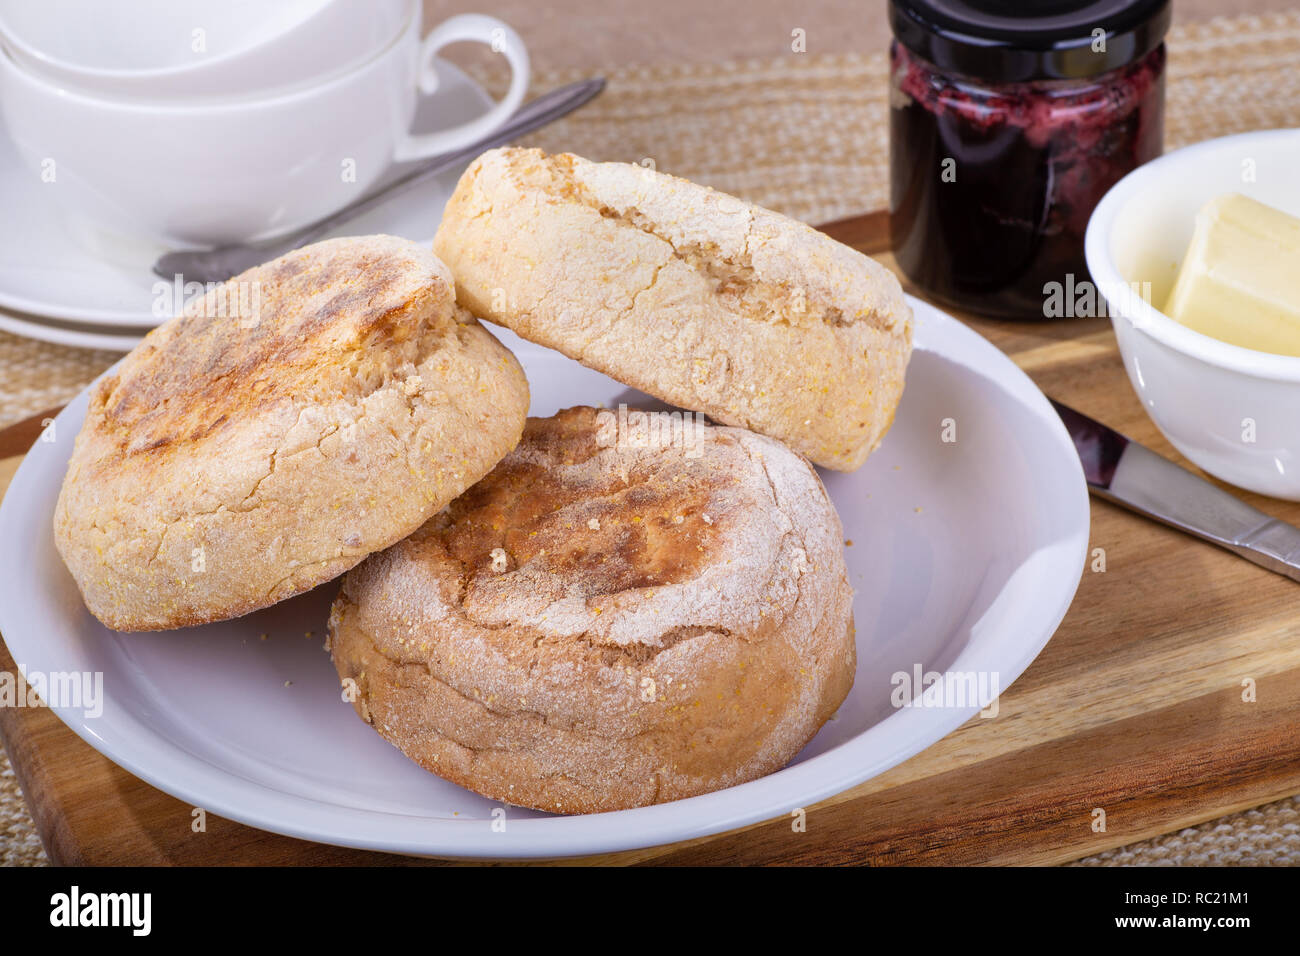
(998, 157)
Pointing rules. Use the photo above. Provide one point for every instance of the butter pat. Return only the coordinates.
(1240, 282)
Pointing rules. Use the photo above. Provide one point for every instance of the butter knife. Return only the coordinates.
(1120, 470)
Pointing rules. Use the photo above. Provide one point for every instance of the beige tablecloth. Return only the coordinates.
(806, 134)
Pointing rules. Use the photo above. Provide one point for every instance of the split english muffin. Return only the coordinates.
(696, 297)
(609, 619)
(309, 412)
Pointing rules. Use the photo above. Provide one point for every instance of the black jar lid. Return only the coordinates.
(1010, 41)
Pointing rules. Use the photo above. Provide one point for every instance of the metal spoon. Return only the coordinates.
(217, 265)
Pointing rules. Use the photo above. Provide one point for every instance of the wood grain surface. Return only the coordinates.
(1135, 707)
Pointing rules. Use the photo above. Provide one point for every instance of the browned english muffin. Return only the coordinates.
(304, 415)
(619, 614)
(700, 299)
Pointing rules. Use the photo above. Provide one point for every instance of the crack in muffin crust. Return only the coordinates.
(700, 299)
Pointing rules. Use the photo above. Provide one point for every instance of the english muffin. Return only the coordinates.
(691, 295)
(305, 414)
(617, 615)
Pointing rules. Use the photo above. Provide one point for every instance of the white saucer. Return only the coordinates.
(82, 335)
(965, 556)
(45, 272)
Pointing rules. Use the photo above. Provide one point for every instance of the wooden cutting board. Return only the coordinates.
(1135, 708)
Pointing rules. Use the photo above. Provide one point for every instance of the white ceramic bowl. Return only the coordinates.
(194, 48)
(1233, 411)
(127, 172)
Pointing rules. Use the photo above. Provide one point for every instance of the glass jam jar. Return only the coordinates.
(1008, 123)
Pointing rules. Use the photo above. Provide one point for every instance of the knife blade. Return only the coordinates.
(1131, 475)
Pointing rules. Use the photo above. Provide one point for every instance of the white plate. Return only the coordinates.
(44, 271)
(965, 557)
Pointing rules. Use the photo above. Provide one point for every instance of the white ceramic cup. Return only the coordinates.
(183, 49)
(231, 171)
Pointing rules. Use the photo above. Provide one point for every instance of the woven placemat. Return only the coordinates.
(807, 135)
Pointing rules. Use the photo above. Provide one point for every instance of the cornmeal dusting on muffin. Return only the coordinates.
(641, 662)
(705, 301)
(227, 465)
